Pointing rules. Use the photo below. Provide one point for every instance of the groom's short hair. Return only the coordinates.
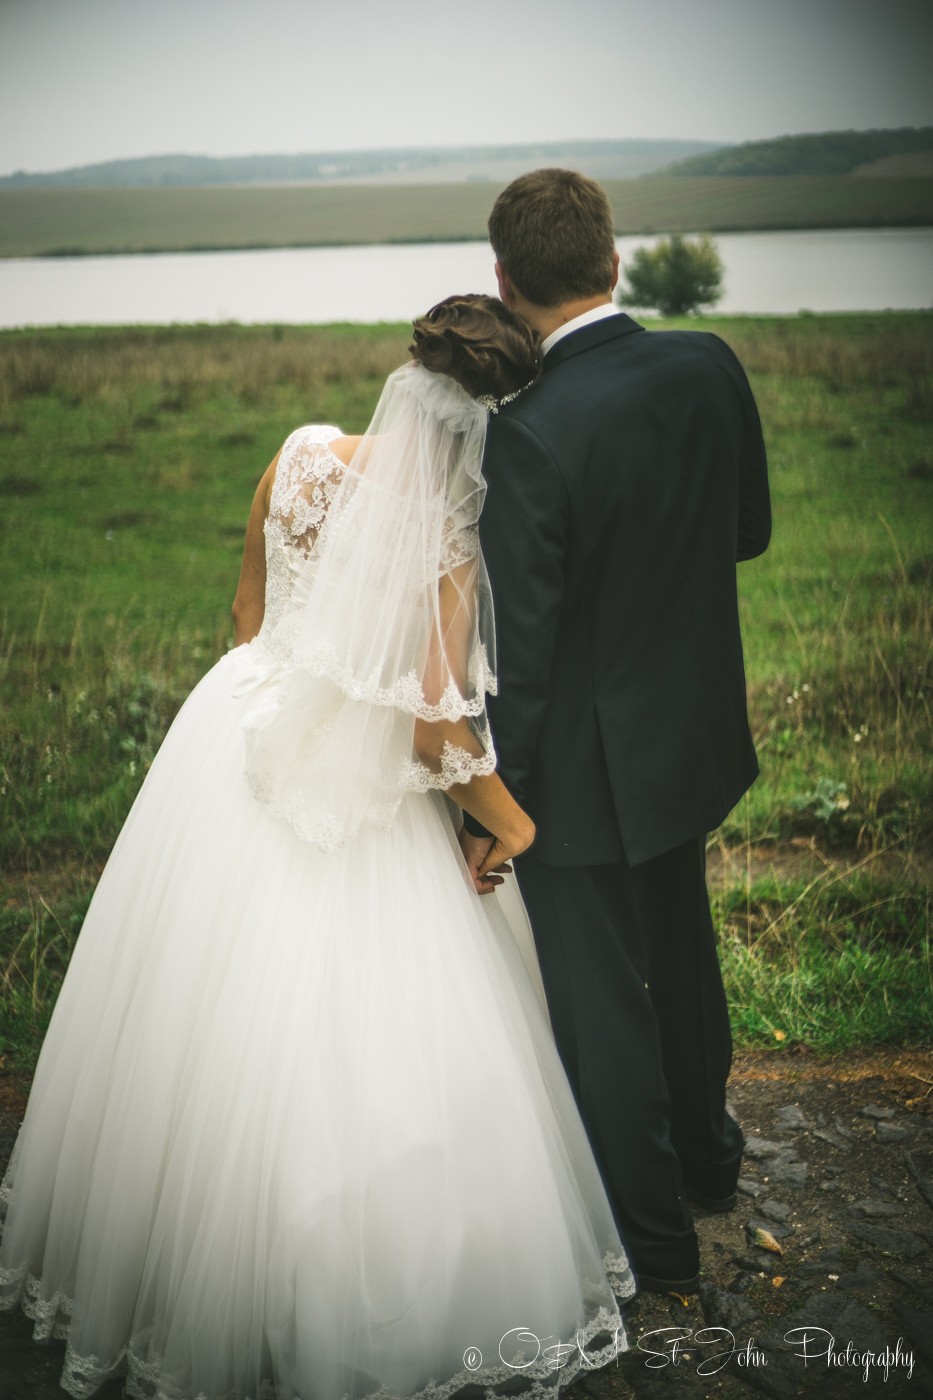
(552, 232)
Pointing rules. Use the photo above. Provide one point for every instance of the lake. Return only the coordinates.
(769, 273)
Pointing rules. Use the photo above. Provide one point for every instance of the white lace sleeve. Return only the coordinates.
(306, 478)
(460, 541)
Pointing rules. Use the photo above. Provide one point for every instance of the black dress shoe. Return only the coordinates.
(716, 1205)
(647, 1283)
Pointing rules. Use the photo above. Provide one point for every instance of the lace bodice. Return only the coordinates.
(306, 478)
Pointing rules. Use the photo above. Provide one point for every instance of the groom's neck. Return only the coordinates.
(547, 319)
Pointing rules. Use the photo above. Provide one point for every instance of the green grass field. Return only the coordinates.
(58, 222)
(129, 458)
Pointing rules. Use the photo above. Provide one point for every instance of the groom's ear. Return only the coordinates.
(615, 272)
(506, 293)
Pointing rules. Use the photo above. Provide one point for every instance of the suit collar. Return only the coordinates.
(610, 328)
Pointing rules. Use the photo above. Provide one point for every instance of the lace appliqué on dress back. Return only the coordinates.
(306, 479)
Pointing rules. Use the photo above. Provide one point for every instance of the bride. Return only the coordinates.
(299, 1129)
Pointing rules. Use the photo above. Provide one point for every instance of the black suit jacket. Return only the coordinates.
(622, 489)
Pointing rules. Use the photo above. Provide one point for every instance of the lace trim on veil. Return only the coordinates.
(550, 1362)
(405, 693)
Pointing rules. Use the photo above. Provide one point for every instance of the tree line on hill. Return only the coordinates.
(826, 153)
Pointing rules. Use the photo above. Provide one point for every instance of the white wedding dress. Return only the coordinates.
(299, 1129)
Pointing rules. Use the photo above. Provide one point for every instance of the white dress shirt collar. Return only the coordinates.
(596, 313)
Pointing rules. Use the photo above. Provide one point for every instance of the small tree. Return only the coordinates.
(677, 276)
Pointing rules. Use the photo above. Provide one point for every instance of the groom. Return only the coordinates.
(623, 486)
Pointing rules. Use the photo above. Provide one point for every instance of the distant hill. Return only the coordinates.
(430, 165)
(825, 153)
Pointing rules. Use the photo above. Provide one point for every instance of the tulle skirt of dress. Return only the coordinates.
(299, 1128)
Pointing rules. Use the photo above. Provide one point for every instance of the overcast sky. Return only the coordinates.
(92, 80)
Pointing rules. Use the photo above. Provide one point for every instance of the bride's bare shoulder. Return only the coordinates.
(343, 448)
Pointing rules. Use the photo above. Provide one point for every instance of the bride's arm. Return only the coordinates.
(485, 796)
(250, 601)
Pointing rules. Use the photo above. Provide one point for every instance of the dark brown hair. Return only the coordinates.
(552, 232)
(479, 342)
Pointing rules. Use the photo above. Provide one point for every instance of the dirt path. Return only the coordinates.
(838, 1172)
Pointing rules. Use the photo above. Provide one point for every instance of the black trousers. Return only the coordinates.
(628, 957)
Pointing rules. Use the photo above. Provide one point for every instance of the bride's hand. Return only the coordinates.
(475, 850)
(487, 857)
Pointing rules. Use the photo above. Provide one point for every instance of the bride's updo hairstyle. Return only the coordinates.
(479, 342)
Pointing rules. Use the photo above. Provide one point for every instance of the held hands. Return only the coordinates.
(487, 856)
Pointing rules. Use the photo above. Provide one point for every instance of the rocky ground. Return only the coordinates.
(827, 1258)
(822, 1274)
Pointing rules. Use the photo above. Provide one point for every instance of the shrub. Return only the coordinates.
(677, 276)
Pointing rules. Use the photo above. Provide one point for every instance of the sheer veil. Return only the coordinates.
(389, 621)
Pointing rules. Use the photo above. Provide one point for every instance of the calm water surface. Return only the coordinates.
(780, 273)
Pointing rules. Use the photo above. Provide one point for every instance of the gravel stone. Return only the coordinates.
(890, 1132)
(829, 1135)
(897, 1242)
(791, 1118)
(761, 1264)
(758, 1147)
(893, 1189)
(813, 1269)
(724, 1309)
(847, 1319)
(788, 1172)
(875, 1210)
(775, 1210)
(861, 1278)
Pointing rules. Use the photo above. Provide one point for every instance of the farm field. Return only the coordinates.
(50, 222)
(128, 459)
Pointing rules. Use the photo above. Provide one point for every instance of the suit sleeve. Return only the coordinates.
(754, 523)
(754, 504)
(523, 533)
